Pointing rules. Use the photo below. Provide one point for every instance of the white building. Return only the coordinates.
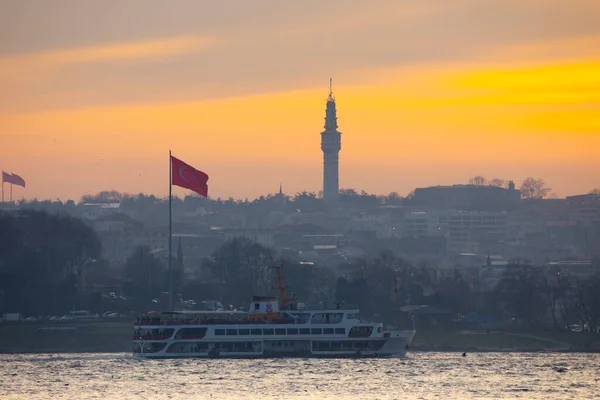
(464, 230)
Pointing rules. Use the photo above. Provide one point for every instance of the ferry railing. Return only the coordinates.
(328, 307)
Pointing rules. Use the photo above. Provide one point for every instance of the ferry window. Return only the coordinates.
(292, 331)
(334, 318)
(340, 331)
(351, 316)
(256, 306)
(361, 331)
(328, 331)
(256, 331)
(280, 331)
(188, 333)
(267, 331)
(318, 319)
(244, 331)
(219, 332)
(316, 331)
(302, 318)
(304, 331)
(232, 332)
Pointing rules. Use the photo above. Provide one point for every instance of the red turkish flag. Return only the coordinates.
(13, 178)
(188, 177)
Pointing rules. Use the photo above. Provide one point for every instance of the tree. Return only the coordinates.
(42, 258)
(105, 196)
(521, 291)
(478, 180)
(362, 199)
(298, 279)
(409, 199)
(498, 182)
(587, 299)
(595, 191)
(556, 288)
(392, 199)
(307, 202)
(454, 293)
(145, 275)
(534, 189)
(243, 267)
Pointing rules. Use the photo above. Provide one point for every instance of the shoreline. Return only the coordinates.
(116, 337)
(91, 351)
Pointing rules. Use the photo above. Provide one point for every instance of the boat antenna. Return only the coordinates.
(398, 304)
(282, 295)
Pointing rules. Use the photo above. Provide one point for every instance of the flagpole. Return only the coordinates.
(170, 234)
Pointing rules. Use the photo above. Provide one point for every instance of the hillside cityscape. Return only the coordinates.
(483, 252)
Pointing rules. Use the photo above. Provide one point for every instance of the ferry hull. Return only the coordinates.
(395, 346)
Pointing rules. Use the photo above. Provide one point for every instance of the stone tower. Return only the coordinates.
(331, 144)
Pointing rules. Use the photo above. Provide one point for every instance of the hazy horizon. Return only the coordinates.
(93, 95)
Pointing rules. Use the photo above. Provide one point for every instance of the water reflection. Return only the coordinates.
(419, 376)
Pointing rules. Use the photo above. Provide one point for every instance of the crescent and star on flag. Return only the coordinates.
(192, 174)
(188, 177)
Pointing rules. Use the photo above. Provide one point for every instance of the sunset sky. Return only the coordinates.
(93, 94)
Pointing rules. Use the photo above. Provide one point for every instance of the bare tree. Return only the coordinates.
(534, 189)
(477, 180)
(595, 191)
(498, 182)
(105, 196)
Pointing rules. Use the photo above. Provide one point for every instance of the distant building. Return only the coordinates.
(465, 231)
(580, 269)
(92, 211)
(331, 144)
(468, 197)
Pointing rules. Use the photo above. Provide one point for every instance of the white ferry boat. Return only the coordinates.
(273, 327)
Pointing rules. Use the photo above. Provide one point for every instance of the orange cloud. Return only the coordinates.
(569, 48)
(160, 48)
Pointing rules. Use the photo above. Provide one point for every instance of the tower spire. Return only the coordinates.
(331, 145)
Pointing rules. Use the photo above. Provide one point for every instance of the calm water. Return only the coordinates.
(418, 376)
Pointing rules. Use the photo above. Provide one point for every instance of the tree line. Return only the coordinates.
(526, 296)
(42, 258)
(530, 188)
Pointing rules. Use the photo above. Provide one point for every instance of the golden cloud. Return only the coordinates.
(151, 49)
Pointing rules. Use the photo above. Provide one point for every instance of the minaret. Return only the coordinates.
(331, 144)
